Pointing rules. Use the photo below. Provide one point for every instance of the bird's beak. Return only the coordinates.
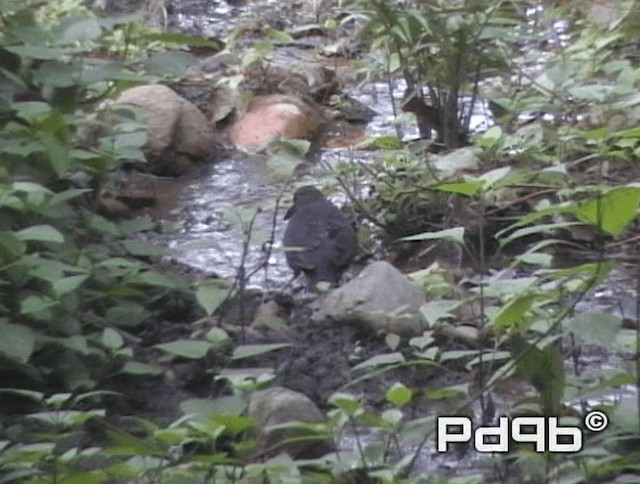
(290, 212)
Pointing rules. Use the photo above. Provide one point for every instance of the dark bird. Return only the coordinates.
(319, 239)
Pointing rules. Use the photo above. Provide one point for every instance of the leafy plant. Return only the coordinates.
(72, 282)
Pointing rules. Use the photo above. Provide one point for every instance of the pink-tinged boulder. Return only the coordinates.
(178, 132)
(268, 118)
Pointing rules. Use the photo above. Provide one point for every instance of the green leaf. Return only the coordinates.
(170, 436)
(544, 368)
(385, 142)
(153, 278)
(392, 340)
(30, 187)
(81, 29)
(133, 139)
(392, 416)
(536, 259)
(381, 360)
(204, 409)
(453, 355)
(127, 313)
(283, 164)
(112, 339)
(144, 249)
(420, 343)
(218, 337)
(123, 443)
(186, 348)
(58, 400)
(447, 392)
(41, 52)
(170, 63)
(67, 284)
(595, 328)
(494, 176)
(74, 343)
(346, 402)
(100, 70)
(11, 245)
(438, 309)
(139, 369)
(612, 211)
(41, 233)
(455, 234)
(57, 74)
(210, 294)
(278, 35)
(490, 138)
(399, 394)
(251, 377)
(140, 225)
(468, 188)
(17, 341)
(515, 311)
(537, 229)
(35, 304)
(57, 151)
(234, 423)
(35, 397)
(627, 341)
(248, 351)
(67, 195)
(32, 110)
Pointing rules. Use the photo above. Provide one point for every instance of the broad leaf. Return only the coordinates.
(248, 351)
(398, 394)
(612, 211)
(17, 341)
(140, 369)
(112, 339)
(381, 360)
(455, 234)
(67, 284)
(40, 233)
(515, 311)
(595, 328)
(210, 294)
(186, 348)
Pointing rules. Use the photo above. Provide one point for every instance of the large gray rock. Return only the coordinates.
(279, 405)
(178, 132)
(380, 299)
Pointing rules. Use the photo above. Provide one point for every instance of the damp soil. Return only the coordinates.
(318, 360)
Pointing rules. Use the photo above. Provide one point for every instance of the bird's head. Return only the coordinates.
(302, 196)
(305, 194)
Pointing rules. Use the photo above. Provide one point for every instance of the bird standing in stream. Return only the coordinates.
(319, 239)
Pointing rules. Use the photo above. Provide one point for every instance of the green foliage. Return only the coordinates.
(210, 294)
(193, 446)
(70, 281)
(443, 46)
(285, 155)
